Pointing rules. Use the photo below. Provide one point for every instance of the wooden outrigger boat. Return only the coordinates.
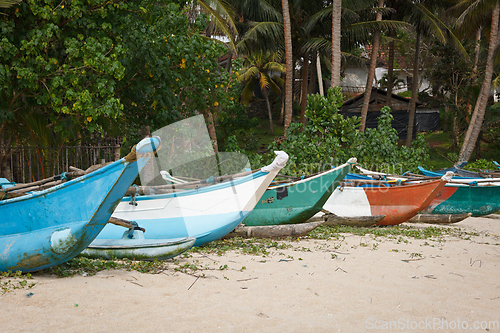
(44, 228)
(398, 203)
(478, 196)
(463, 173)
(206, 212)
(456, 198)
(439, 218)
(274, 231)
(297, 201)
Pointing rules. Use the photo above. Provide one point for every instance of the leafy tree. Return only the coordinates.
(469, 17)
(91, 66)
(330, 139)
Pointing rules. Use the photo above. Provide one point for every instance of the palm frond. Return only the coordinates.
(8, 3)
(247, 74)
(222, 13)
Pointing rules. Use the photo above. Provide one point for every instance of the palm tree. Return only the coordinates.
(469, 15)
(262, 68)
(220, 14)
(289, 64)
(371, 71)
(422, 15)
(336, 33)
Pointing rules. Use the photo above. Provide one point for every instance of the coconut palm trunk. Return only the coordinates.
(371, 72)
(390, 66)
(266, 97)
(478, 115)
(336, 54)
(414, 90)
(303, 97)
(320, 75)
(289, 64)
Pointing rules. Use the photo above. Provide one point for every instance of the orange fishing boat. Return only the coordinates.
(398, 203)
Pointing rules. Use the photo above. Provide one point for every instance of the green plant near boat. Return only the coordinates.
(481, 165)
(86, 266)
(331, 139)
(10, 281)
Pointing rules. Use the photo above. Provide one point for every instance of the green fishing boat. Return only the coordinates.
(463, 198)
(297, 201)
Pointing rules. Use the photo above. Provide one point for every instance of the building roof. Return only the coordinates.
(377, 101)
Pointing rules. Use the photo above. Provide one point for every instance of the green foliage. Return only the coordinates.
(379, 149)
(330, 139)
(83, 265)
(481, 165)
(10, 281)
(405, 94)
(99, 66)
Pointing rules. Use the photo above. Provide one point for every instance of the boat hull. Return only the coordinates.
(457, 199)
(398, 203)
(138, 249)
(208, 213)
(49, 227)
(298, 201)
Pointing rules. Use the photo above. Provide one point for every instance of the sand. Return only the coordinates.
(354, 284)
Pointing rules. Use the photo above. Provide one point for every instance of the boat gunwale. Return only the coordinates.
(203, 189)
(36, 194)
(340, 167)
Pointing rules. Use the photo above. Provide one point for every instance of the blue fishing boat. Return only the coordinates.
(441, 172)
(188, 190)
(44, 228)
(206, 211)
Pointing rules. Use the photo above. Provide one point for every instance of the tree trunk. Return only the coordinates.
(414, 91)
(474, 69)
(282, 111)
(5, 155)
(478, 115)
(211, 130)
(320, 75)
(313, 73)
(371, 72)
(229, 60)
(303, 89)
(390, 67)
(269, 112)
(454, 134)
(289, 64)
(336, 54)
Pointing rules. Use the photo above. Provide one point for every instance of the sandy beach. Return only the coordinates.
(350, 284)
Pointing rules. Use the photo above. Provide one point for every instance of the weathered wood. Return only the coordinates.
(439, 218)
(352, 221)
(72, 168)
(274, 231)
(125, 223)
